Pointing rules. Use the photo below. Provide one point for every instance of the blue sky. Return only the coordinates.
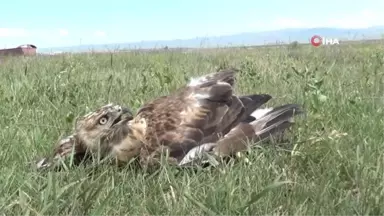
(48, 23)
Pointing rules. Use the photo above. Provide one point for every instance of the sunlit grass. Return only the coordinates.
(336, 166)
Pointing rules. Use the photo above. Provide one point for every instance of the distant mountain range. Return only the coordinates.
(302, 35)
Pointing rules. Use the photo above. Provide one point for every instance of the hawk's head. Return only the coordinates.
(91, 130)
(97, 126)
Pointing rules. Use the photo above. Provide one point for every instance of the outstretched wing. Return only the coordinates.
(200, 111)
(64, 147)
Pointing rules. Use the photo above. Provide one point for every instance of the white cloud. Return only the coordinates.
(99, 33)
(63, 32)
(12, 32)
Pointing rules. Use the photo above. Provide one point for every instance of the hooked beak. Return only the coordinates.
(125, 115)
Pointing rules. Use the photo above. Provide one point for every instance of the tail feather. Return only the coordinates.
(257, 114)
(239, 111)
(276, 115)
(269, 123)
(274, 121)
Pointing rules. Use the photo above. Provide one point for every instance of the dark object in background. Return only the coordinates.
(27, 49)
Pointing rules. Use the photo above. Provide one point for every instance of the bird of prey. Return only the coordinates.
(205, 115)
(90, 129)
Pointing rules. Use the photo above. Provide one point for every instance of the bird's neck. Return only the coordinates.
(118, 133)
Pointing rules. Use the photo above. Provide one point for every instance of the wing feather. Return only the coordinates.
(270, 123)
(203, 111)
(276, 120)
(240, 111)
(189, 112)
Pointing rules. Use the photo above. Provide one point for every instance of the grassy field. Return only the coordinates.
(333, 165)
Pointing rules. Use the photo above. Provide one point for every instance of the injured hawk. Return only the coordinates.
(206, 112)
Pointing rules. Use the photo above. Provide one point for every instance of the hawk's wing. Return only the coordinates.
(200, 111)
(267, 122)
(239, 111)
(62, 149)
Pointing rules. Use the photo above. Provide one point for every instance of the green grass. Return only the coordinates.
(336, 167)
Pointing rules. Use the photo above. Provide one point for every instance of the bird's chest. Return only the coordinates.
(138, 127)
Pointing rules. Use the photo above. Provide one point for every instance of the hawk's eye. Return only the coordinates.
(103, 120)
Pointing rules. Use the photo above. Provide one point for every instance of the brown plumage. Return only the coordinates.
(203, 111)
(95, 132)
(266, 123)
